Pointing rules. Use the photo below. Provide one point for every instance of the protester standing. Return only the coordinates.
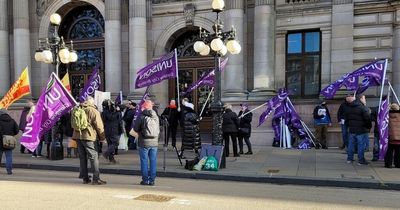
(128, 118)
(322, 119)
(341, 119)
(172, 115)
(394, 138)
(112, 118)
(358, 120)
(190, 129)
(147, 128)
(23, 120)
(8, 126)
(245, 118)
(86, 141)
(230, 128)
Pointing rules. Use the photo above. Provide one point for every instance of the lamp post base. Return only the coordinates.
(217, 110)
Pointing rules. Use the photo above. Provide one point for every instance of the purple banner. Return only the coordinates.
(156, 72)
(206, 80)
(273, 104)
(91, 85)
(138, 110)
(383, 126)
(119, 99)
(373, 72)
(53, 103)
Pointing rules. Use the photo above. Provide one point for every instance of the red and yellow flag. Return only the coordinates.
(65, 81)
(20, 88)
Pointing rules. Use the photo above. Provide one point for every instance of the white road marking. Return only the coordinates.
(180, 202)
(128, 197)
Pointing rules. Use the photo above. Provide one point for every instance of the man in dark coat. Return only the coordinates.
(245, 128)
(358, 120)
(343, 108)
(172, 114)
(112, 117)
(191, 129)
(230, 126)
(128, 118)
(8, 126)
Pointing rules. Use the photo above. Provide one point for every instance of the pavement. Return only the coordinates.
(266, 165)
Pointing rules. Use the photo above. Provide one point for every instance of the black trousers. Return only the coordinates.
(233, 136)
(247, 140)
(172, 133)
(393, 148)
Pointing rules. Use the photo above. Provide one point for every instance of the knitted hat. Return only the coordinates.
(147, 104)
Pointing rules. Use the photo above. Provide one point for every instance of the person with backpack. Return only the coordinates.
(9, 127)
(322, 119)
(147, 128)
(112, 118)
(87, 124)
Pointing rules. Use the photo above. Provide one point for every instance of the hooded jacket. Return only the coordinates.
(394, 127)
(321, 115)
(96, 126)
(358, 118)
(191, 130)
(139, 127)
(245, 122)
(8, 126)
(230, 122)
(112, 121)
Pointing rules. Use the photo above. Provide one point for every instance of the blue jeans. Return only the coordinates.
(8, 154)
(345, 135)
(147, 154)
(376, 146)
(361, 143)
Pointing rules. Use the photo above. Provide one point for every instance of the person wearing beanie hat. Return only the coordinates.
(148, 129)
(322, 119)
(171, 114)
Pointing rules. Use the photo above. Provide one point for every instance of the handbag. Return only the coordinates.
(244, 130)
(9, 142)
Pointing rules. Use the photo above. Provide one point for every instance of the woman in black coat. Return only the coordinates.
(230, 126)
(245, 129)
(112, 118)
(8, 126)
(191, 129)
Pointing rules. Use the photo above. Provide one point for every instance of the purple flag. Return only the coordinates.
(373, 70)
(91, 85)
(383, 126)
(138, 110)
(162, 69)
(206, 80)
(119, 99)
(54, 102)
(273, 104)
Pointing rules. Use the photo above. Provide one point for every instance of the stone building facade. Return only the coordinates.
(299, 44)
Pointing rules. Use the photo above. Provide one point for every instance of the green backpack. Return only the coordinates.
(211, 163)
(79, 120)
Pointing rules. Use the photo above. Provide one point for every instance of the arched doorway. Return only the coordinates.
(191, 68)
(84, 25)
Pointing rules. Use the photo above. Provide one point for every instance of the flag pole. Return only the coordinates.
(383, 83)
(205, 103)
(254, 109)
(177, 79)
(394, 93)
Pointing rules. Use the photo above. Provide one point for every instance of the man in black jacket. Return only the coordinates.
(128, 118)
(230, 127)
(245, 128)
(358, 120)
(8, 126)
(112, 117)
(341, 119)
(172, 114)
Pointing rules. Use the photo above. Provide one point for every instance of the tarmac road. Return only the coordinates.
(37, 189)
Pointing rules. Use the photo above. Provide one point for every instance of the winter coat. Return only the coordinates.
(358, 118)
(343, 108)
(230, 122)
(139, 127)
(128, 118)
(8, 126)
(112, 122)
(245, 122)
(394, 127)
(95, 128)
(68, 130)
(23, 118)
(191, 130)
(173, 116)
(321, 115)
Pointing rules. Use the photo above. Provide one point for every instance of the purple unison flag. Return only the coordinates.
(138, 110)
(53, 103)
(273, 104)
(383, 126)
(91, 85)
(119, 99)
(162, 69)
(373, 70)
(206, 80)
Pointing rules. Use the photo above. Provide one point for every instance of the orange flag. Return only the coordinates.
(65, 81)
(20, 88)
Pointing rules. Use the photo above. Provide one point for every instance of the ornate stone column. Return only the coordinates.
(113, 65)
(234, 77)
(4, 49)
(22, 54)
(264, 48)
(396, 52)
(137, 40)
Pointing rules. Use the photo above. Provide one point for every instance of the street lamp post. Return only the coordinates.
(53, 50)
(218, 44)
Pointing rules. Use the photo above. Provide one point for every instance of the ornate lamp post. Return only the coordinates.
(53, 50)
(218, 44)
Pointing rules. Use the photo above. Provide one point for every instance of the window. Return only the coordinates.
(303, 63)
